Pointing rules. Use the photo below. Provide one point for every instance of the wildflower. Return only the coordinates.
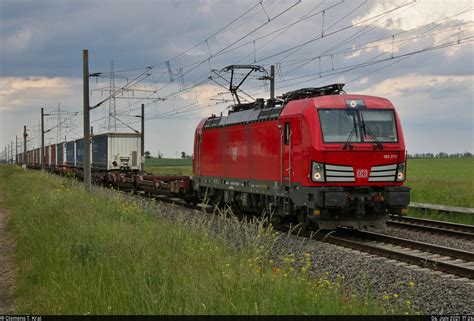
(285, 275)
(307, 255)
(227, 264)
(395, 295)
(411, 284)
(386, 297)
(407, 302)
(303, 269)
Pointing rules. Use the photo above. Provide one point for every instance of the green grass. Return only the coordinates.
(165, 166)
(83, 253)
(442, 181)
(169, 162)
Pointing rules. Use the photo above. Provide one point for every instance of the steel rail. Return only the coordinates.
(411, 258)
(452, 229)
(416, 245)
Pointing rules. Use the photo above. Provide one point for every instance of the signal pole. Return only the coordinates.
(25, 135)
(87, 146)
(11, 151)
(143, 139)
(16, 149)
(42, 139)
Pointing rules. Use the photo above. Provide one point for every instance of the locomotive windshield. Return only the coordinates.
(351, 125)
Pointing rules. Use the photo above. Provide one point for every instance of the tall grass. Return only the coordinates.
(83, 253)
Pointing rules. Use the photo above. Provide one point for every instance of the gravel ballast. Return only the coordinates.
(419, 290)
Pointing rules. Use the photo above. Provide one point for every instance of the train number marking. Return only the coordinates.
(362, 173)
(390, 156)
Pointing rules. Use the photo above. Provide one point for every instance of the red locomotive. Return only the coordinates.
(318, 155)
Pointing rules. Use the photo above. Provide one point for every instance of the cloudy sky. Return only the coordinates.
(419, 54)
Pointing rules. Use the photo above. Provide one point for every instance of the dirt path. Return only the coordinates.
(6, 263)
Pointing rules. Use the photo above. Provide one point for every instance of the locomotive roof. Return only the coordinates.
(271, 111)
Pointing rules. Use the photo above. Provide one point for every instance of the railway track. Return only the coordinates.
(435, 257)
(431, 226)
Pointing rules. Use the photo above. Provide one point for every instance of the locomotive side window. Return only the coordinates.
(287, 133)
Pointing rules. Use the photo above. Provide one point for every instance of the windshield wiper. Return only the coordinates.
(348, 145)
(377, 143)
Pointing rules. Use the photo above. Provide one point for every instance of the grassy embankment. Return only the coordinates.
(80, 253)
(436, 181)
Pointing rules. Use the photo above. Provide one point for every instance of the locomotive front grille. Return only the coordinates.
(336, 173)
(384, 173)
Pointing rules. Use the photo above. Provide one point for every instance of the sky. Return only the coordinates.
(169, 56)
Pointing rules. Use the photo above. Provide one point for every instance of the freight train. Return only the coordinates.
(317, 156)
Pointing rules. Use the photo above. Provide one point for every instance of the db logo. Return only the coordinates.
(362, 173)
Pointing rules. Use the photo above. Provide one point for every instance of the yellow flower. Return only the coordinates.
(411, 284)
(227, 264)
(386, 297)
(395, 295)
(307, 255)
(407, 302)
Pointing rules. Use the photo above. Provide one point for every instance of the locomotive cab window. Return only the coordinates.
(287, 133)
(357, 126)
(339, 125)
(379, 125)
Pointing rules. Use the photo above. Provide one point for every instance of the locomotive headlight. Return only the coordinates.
(401, 172)
(317, 172)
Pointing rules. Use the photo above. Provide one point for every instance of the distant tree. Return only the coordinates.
(183, 155)
(467, 154)
(160, 155)
(147, 155)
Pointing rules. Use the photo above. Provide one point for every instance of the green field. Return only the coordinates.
(101, 253)
(178, 166)
(446, 181)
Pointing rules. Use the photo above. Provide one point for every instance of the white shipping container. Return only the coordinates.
(115, 151)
